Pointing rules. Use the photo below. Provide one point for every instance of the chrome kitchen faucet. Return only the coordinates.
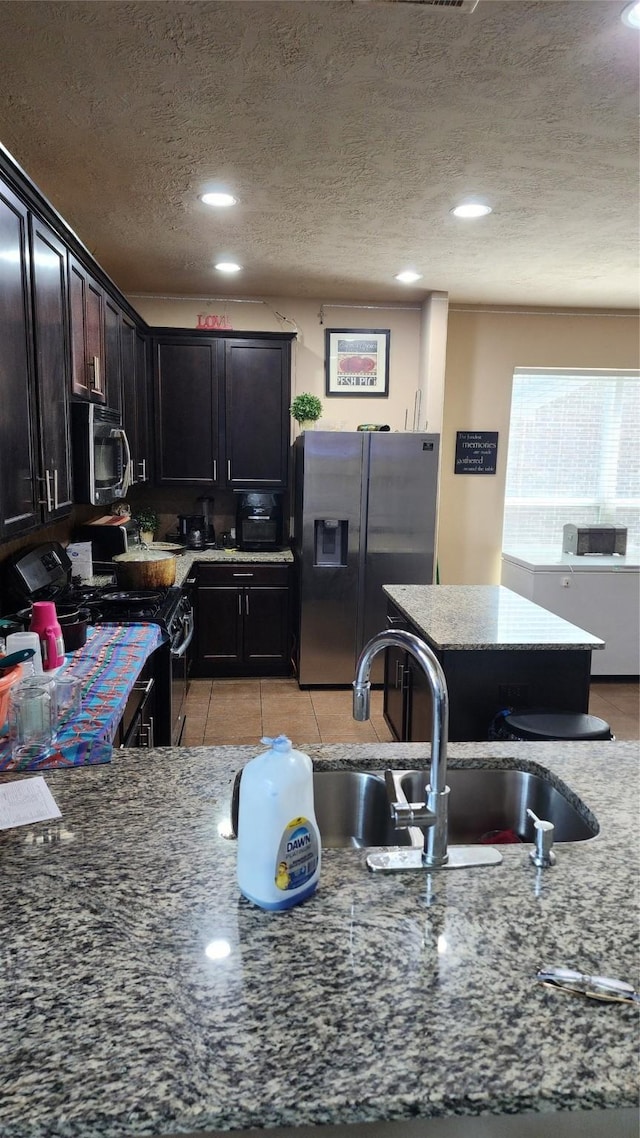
(432, 815)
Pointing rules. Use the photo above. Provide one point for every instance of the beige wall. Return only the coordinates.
(339, 412)
(483, 349)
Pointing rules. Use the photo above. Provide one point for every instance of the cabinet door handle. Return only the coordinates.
(243, 574)
(395, 621)
(142, 463)
(215, 470)
(151, 731)
(229, 469)
(239, 604)
(47, 490)
(246, 604)
(56, 503)
(94, 379)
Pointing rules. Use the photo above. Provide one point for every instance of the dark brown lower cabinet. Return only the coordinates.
(242, 618)
(407, 697)
(146, 719)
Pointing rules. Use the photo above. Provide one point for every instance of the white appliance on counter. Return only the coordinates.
(600, 593)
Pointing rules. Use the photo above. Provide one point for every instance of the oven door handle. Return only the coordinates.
(189, 624)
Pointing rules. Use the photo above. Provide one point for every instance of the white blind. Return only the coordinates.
(574, 454)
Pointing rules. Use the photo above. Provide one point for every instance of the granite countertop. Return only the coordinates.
(187, 558)
(142, 996)
(474, 617)
(227, 557)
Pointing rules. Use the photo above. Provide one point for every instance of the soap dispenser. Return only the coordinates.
(279, 850)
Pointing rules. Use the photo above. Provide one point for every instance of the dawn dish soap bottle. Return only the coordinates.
(278, 838)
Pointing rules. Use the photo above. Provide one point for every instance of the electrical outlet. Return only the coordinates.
(513, 694)
(566, 582)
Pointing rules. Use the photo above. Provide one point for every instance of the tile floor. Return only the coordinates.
(242, 710)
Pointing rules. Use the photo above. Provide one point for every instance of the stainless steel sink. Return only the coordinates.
(353, 807)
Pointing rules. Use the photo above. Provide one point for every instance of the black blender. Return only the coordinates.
(207, 513)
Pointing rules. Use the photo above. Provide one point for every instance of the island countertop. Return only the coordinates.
(142, 995)
(478, 617)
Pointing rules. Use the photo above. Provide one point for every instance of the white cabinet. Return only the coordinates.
(600, 594)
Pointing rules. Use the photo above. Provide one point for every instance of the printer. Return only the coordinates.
(582, 539)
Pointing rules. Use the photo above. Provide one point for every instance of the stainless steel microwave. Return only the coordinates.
(101, 455)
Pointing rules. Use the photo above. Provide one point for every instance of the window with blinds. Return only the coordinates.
(574, 454)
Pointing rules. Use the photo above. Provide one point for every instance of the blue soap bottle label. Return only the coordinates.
(298, 855)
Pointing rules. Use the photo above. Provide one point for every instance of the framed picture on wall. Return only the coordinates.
(357, 361)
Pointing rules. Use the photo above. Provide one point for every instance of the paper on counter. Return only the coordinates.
(26, 800)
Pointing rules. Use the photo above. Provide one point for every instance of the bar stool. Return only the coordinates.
(546, 725)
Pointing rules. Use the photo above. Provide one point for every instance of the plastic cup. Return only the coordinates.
(68, 691)
(18, 640)
(32, 711)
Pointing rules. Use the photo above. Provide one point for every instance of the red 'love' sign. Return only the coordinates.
(211, 320)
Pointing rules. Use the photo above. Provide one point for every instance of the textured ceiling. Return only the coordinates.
(347, 130)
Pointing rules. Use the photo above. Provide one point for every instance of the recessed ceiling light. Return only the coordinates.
(471, 209)
(228, 267)
(218, 199)
(631, 15)
(408, 276)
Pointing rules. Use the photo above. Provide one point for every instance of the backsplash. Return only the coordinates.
(168, 503)
(61, 531)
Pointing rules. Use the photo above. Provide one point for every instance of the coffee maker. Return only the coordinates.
(191, 530)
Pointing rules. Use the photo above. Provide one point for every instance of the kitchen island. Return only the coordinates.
(142, 996)
(497, 650)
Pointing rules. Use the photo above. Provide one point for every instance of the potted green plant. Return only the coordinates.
(147, 521)
(306, 409)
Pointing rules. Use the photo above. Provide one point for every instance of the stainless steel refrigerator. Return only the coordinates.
(364, 517)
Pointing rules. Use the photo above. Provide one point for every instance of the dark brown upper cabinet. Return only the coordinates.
(222, 410)
(113, 361)
(186, 380)
(65, 332)
(144, 433)
(257, 393)
(52, 357)
(86, 300)
(135, 403)
(35, 454)
(18, 461)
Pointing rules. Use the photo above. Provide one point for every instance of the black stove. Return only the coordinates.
(106, 604)
(109, 605)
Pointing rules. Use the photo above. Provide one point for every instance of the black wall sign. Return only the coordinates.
(476, 452)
